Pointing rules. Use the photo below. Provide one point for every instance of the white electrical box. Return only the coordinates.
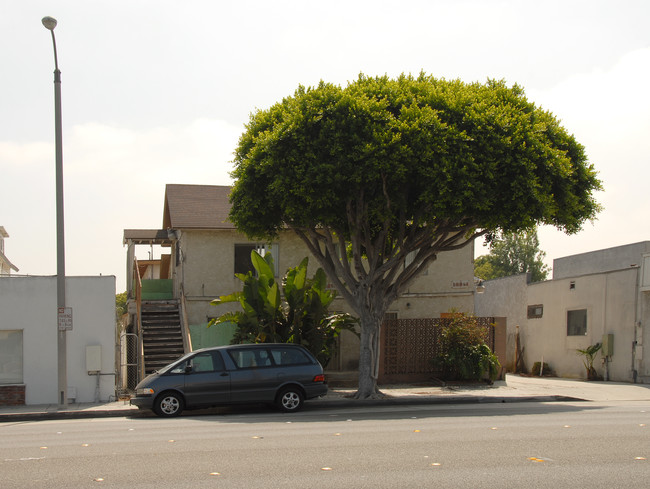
(93, 358)
(608, 345)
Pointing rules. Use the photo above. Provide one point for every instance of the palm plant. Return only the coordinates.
(589, 354)
(296, 312)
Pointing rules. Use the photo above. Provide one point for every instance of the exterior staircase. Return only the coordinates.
(162, 339)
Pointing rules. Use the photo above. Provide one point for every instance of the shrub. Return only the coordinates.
(546, 370)
(464, 355)
(295, 311)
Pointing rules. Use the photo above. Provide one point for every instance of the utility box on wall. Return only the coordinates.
(94, 358)
(608, 345)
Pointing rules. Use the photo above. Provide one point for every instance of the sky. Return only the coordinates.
(157, 92)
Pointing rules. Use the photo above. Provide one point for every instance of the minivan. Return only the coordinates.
(283, 374)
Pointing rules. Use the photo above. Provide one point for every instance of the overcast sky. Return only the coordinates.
(158, 91)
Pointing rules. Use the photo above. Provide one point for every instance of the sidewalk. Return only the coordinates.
(514, 389)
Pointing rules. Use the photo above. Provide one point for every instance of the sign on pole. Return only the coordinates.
(64, 316)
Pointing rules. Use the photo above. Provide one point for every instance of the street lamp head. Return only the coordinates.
(49, 23)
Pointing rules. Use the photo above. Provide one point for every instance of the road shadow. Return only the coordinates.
(359, 410)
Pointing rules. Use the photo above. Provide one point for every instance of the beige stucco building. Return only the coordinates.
(203, 251)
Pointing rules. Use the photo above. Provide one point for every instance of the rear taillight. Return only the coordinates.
(319, 378)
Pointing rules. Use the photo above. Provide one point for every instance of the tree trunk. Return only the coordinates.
(369, 356)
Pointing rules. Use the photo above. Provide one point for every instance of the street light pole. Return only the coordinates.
(50, 24)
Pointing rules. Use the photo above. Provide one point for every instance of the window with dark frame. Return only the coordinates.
(243, 258)
(576, 322)
(535, 311)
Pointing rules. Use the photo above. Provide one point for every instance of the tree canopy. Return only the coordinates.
(369, 173)
(512, 254)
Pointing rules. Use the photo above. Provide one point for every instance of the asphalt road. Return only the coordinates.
(536, 445)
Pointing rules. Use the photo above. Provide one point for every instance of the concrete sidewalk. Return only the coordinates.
(514, 389)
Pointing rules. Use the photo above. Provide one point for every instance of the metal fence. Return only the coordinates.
(129, 362)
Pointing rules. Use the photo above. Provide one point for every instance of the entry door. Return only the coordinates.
(207, 382)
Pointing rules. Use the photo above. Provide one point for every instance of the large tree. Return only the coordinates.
(511, 254)
(369, 173)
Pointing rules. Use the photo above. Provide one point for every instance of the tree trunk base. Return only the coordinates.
(377, 394)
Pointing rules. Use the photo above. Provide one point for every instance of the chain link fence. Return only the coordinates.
(128, 370)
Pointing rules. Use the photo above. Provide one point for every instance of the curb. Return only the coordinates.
(309, 405)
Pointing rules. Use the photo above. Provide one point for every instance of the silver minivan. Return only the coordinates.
(283, 374)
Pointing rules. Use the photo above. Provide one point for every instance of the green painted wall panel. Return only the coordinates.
(160, 289)
(204, 337)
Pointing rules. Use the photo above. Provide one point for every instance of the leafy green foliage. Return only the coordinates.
(464, 353)
(545, 369)
(589, 355)
(410, 148)
(413, 166)
(512, 254)
(120, 305)
(297, 313)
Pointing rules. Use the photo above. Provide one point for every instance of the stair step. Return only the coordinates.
(161, 328)
(161, 332)
(163, 347)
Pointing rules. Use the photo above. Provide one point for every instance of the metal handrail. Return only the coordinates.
(187, 338)
(138, 302)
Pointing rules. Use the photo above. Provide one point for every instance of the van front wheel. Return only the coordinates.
(290, 399)
(168, 404)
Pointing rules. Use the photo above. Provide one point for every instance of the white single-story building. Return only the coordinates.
(28, 339)
(596, 297)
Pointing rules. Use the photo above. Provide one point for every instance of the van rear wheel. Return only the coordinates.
(169, 404)
(290, 399)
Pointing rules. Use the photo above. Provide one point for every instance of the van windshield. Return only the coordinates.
(182, 359)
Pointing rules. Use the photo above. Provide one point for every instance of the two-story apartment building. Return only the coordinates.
(202, 251)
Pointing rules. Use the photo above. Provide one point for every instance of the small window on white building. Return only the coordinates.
(576, 322)
(11, 357)
(535, 311)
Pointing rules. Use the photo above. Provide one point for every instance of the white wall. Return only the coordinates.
(607, 260)
(505, 297)
(609, 299)
(29, 304)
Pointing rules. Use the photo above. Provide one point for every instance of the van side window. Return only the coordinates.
(289, 356)
(209, 361)
(253, 358)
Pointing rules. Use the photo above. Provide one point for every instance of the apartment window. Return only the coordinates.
(11, 357)
(409, 259)
(576, 322)
(535, 311)
(243, 256)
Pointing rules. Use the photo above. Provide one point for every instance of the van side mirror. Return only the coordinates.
(188, 368)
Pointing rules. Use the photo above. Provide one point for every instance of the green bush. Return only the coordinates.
(464, 355)
(546, 370)
(295, 311)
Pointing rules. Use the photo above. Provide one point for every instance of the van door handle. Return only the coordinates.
(224, 374)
